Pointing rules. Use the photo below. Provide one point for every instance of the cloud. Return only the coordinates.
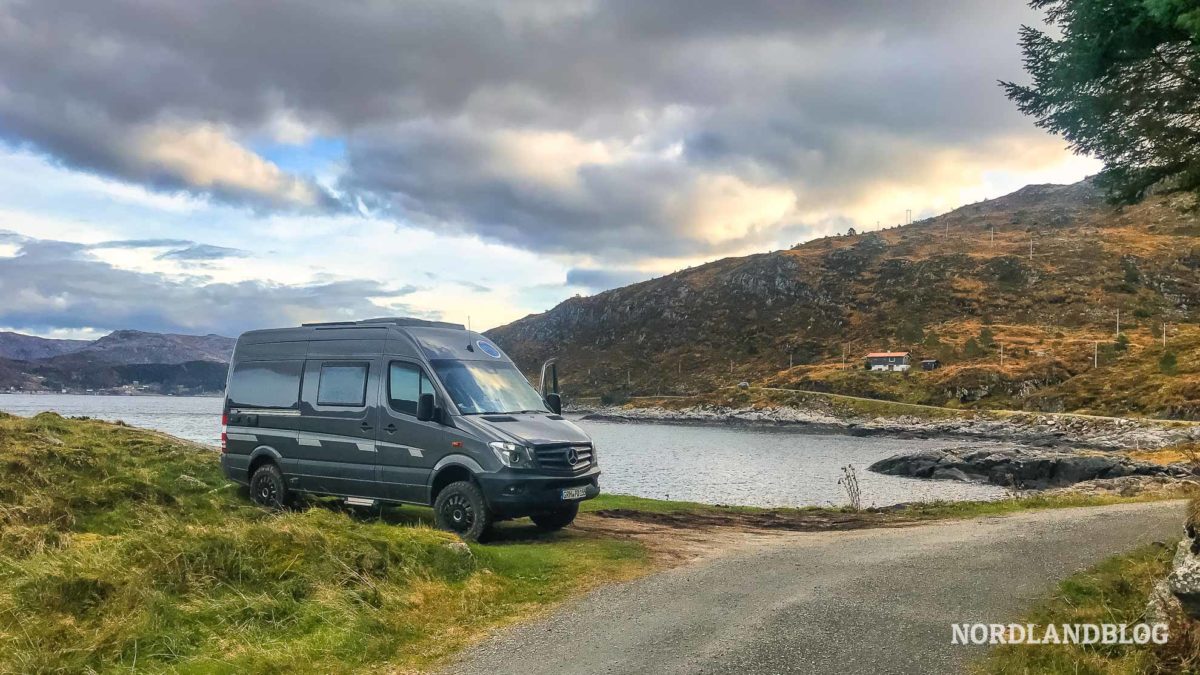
(601, 280)
(143, 243)
(60, 285)
(206, 158)
(472, 286)
(617, 130)
(202, 252)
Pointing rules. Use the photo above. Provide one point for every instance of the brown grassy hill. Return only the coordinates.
(957, 287)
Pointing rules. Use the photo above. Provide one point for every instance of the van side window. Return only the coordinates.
(265, 384)
(406, 383)
(342, 384)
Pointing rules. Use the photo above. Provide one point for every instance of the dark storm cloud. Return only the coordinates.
(60, 285)
(433, 100)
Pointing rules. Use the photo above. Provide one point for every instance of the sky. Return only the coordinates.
(213, 166)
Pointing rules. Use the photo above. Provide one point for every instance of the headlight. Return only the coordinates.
(511, 454)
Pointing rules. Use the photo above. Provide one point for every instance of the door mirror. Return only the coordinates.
(425, 407)
(554, 402)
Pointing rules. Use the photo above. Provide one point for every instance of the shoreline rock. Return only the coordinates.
(1020, 468)
(1029, 429)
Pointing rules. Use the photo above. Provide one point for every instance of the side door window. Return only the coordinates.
(406, 383)
(343, 384)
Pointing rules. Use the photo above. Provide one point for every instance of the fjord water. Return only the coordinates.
(711, 464)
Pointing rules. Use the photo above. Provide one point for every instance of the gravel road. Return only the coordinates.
(869, 601)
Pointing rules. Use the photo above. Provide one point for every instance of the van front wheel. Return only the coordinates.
(267, 487)
(555, 519)
(461, 508)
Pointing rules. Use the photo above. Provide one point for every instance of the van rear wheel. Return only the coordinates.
(267, 487)
(461, 508)
(555, 519)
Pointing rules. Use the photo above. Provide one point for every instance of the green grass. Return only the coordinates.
(120, 549)
(931, 510)
(1115, 591)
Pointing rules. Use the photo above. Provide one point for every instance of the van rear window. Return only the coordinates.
(265, 384)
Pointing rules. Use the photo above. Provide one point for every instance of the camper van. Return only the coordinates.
(401, 410)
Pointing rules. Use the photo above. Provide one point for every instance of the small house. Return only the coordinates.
(887, 361)
(930, 364)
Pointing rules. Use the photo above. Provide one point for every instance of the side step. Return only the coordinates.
(360, 501)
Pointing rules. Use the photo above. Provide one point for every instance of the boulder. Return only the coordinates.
(1184, 580)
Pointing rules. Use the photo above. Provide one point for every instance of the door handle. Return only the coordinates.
(366, 427)
(391, 428)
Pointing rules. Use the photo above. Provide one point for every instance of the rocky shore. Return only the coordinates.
(1021, 468)
(1027, 429)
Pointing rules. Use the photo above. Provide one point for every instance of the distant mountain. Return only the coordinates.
(29, 347)
(1017, 297)
(126, 361)
(135, 346)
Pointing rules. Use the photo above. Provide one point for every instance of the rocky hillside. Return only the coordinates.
(126, 360)
(1040, 274)
(30, 347)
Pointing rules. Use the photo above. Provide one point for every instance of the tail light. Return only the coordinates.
(224, 432)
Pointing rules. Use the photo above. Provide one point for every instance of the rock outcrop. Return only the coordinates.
(1023, 468)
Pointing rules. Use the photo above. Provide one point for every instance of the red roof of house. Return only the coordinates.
(880, 355)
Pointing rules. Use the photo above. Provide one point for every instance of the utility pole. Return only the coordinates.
(628, 381)
(1031, 248)
(1096, 355)
(1118, 322)
(789, 360)
(730, 366)
(908, 216)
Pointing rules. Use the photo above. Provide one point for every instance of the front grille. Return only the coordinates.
(556, 458)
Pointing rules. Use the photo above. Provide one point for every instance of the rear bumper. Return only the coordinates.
(236, 468)
(513, 494)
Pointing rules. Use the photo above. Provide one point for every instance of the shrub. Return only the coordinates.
(1168, 363)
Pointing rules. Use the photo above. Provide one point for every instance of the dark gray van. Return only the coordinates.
(404, 411)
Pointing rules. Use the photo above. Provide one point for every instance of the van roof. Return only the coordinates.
(407, 321)
(435, 339)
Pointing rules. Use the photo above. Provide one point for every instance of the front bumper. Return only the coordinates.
(514, 494)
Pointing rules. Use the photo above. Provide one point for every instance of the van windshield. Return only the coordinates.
(480, 387)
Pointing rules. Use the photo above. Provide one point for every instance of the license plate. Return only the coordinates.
(575, 492)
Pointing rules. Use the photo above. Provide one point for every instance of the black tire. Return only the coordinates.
(267, 487)
(555, 519)
(461, 509)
